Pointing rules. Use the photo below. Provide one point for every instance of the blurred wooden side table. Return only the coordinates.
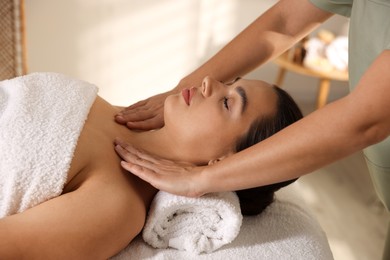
(285, 64)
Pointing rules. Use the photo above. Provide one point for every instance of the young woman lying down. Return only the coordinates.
(63, 192)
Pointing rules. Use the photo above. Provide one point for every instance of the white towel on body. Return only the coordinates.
(196, 225)
(41, 117)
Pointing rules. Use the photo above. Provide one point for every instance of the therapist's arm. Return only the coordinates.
(267, 37)
(341, 128)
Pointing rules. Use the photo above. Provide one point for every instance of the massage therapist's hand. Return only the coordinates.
(146, 114)
(173, 177)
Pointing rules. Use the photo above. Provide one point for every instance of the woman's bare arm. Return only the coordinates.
(93, 222)
(267, 37)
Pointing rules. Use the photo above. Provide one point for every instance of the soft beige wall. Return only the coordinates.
(132, 49)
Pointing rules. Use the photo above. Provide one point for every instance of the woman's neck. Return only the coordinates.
(158, 142)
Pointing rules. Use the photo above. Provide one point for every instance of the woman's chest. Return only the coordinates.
(94, 154)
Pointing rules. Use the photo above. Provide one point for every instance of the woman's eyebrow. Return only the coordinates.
(244, 98)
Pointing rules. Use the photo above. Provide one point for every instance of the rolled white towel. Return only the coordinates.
(315, 58)
(337, 53)
(197, 225)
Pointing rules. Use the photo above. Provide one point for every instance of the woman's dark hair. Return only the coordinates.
(254, 201)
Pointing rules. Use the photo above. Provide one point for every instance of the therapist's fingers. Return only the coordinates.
(142, 120)
(173, 177)
(140, 110)
(146, 114)
(133, 159)
(139, 114)
(132, 112)
(180, 181)
(141, 158)
(153, 122)
(126, 150)
(155, 163)
(137, 104)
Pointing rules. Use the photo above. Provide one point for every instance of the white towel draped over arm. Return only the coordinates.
(41, 117)
(197, 225)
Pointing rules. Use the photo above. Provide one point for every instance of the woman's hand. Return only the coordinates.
(146, 114)
(173, 177)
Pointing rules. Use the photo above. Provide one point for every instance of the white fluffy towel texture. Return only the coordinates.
(41, 117)
(286, 230)
(196, 225)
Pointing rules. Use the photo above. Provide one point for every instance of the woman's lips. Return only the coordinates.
(187, 95)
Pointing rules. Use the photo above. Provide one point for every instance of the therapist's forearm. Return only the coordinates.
(293, 152)
(339, 129)
(267, 37)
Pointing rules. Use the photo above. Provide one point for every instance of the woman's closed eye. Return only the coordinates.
(226, 103)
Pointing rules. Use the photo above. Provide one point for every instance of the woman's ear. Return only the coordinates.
(211, 162)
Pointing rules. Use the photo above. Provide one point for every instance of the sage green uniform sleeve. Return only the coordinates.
(369, 36)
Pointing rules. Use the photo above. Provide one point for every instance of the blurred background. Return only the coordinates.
(133, 49)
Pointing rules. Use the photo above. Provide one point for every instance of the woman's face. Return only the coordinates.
(207, 121)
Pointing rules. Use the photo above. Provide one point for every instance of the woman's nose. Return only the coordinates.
(208, 86)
